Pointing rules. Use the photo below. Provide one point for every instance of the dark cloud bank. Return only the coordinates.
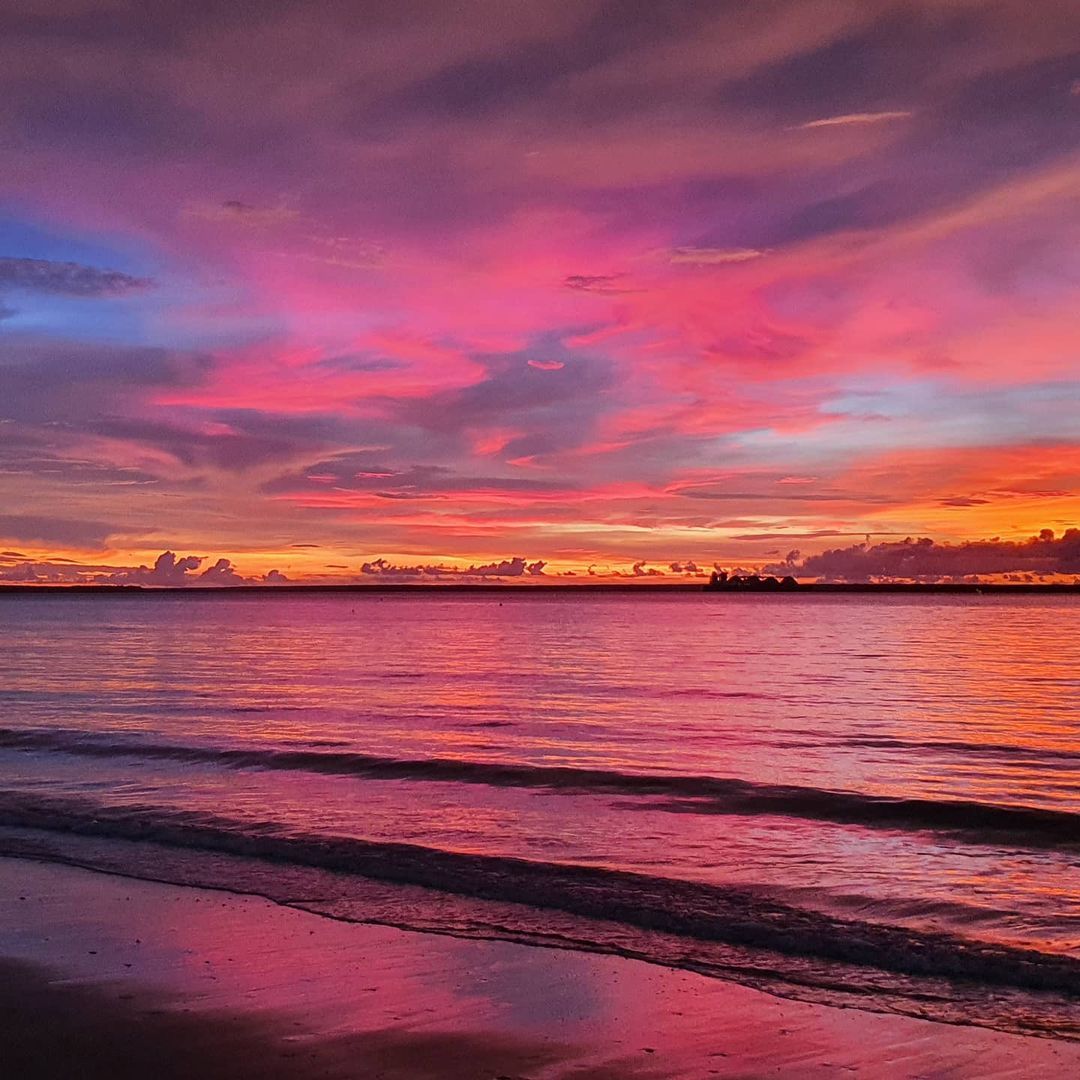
(924, 560)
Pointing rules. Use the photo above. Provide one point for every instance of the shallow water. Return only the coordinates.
(848, 786)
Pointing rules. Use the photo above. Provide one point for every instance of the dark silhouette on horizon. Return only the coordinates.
(720, 579)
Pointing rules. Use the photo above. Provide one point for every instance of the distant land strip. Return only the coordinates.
(814, 588)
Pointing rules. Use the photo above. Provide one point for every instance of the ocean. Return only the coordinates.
(864, 800)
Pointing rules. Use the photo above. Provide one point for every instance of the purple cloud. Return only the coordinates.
(66, 278)
(925, 560)
(167, 570)
(58, 531)
(221, 573)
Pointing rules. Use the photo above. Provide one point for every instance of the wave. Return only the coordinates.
(980, 822)
(690, 910)
(1042, 755)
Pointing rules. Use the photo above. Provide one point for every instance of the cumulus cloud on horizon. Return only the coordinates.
(1041, 557)
(168, 571)
(515, 567)
(923, 559)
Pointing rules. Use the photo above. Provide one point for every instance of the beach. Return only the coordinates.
(104, 976)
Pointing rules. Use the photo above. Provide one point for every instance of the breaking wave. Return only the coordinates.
(976, 821)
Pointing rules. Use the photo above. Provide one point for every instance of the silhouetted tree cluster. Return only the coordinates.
(720, 579)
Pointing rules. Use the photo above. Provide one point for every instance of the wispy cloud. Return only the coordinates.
(235, 212)
(341, 251)
(65, 278)
(51, 530)
(710, 256)
(597, 283)
(855, 118)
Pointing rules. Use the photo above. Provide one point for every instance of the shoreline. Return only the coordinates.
(813, 588)
(177, 980)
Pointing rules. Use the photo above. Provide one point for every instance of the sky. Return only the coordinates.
(330, 291)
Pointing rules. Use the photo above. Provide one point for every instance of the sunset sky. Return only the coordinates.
(342, 290)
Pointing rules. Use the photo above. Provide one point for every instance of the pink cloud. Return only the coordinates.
(622, 288)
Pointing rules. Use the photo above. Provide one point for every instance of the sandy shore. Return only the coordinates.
(102, 976)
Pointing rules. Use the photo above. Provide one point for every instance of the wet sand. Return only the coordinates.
(103, 976)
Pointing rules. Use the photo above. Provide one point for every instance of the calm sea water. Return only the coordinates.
(866, 799)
